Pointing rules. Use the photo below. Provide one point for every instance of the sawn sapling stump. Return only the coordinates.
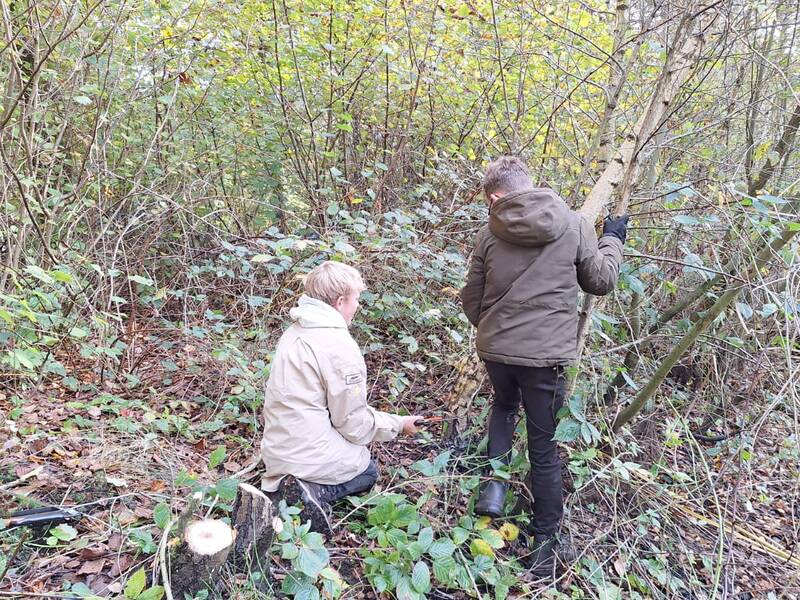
(198, 560)
(255, 521)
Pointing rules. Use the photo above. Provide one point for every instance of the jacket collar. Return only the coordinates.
(311, 312)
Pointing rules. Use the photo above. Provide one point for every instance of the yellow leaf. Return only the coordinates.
(509, 531)
(481, 547)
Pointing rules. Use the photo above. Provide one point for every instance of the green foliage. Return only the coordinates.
(311, 575)
(410, 557)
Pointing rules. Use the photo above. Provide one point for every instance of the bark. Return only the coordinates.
(255, 522)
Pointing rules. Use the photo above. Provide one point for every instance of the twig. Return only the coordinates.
(25, 477)
(162, 559)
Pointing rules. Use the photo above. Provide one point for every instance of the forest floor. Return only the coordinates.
(104, 455)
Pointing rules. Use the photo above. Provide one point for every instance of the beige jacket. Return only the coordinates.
(316, 420)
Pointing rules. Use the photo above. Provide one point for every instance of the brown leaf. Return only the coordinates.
(158, 486)
(115, 542)
(92, 552)
(121, 564)
(90, 567)
(126, 517)
(143, 511)
(94, 411)
(232, 466)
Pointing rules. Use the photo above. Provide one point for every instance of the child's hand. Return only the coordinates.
(410, 424)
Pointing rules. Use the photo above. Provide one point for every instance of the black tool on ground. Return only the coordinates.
(34, 517)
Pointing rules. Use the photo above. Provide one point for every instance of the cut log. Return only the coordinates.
(197, 562)
(255, 522)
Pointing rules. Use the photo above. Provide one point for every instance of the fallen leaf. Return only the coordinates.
(115, 542)
(126, 517)
(93, 552)
(143, 511)
(232, 466)
(116, 587)
(116, 481)
(121, 564)
(95, 411)
(90, 567)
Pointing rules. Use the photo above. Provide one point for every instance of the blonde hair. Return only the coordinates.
(506, 174)
(332, 279)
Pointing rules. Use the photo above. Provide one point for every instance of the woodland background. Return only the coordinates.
(170, 169)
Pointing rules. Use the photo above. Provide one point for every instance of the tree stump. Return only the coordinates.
(197, 562)
(255, 521)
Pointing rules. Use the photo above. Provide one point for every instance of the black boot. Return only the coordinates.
(543, 556)
(314, 508)
(491, 499)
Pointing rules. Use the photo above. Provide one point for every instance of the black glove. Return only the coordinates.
(616, 226)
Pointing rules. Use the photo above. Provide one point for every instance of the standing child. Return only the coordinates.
(522, 293)
(317, 423)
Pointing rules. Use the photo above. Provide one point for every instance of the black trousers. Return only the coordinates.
(541, 391)
(360, 483)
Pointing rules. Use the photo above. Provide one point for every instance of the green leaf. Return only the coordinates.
(568, 430)
(226, 488)
(289, 551)
(441, 549)
(154, 593)
(82, 100)
(84, 591)
(61, 276)
(685, 220)
(307, 592)
(144, 540)
(443, 569)
(78, 332)
(39, 273)
(64, 532)
(142, 280)
(404, 590)
(161, 515)
(493, 537)
(217, 456)
(636, 284)
(425, 538)
(135, 584)
(744, 310)
(310, 562)
(459, 535)
(421, 577)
